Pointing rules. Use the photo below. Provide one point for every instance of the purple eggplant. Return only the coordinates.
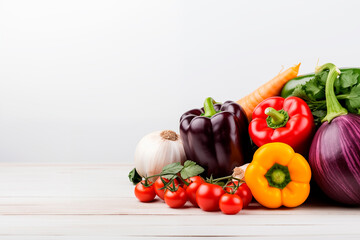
(335, 150)
(216, 137)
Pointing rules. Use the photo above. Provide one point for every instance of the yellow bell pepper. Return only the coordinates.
(278, 176)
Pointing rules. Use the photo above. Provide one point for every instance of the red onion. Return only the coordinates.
(335, 150)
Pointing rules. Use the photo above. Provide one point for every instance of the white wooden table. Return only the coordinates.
(96, 202)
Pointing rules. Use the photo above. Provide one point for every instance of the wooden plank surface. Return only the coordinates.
(96, 202)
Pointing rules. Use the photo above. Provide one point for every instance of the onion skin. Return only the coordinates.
(335, 158)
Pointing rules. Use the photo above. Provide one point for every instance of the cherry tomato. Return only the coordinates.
(159, 184)
(230, 203)
(183, 185)
(175, 199)
(195, 179)
(243, 191)
(190, 180)
(208, 196)
(144, 194)
(195, 183)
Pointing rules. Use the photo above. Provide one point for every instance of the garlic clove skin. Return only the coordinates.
(239, 172)
(156, 150)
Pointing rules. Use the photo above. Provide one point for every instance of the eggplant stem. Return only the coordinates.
(334, 108)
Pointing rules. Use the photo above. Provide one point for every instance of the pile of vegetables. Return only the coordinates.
(289, 119)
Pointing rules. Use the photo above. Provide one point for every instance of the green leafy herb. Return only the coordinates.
(353, 99)
(191, 169)
(172, 168)
(189, 163)
(347, 90)
(322, 76)
(348, 79)
(134, 177)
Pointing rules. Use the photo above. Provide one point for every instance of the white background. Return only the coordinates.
(83, 81)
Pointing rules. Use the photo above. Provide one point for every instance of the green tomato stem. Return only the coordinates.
(160, 174)
(185, 182)
(222, 178)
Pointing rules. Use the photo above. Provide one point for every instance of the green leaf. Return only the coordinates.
(188, 163)
(322, 77)
(318, 116)
(317, 107)
(337, 86)
(353, 99)
(319, 113)
(315, 89)
(172, 168)
(348, 79)
(134, 177)
(191, 169)
(300, 93)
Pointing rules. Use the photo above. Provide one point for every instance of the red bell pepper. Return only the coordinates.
(288, 120)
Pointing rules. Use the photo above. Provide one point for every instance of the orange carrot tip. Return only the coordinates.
(269, 89)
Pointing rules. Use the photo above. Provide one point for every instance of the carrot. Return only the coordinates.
(269, 89)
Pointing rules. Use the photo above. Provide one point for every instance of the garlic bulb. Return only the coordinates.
(239, 172)
(156, 150)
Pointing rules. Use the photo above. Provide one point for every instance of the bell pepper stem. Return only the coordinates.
(276, 119)
(209, 109)
(334, 108)
(278, 176)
